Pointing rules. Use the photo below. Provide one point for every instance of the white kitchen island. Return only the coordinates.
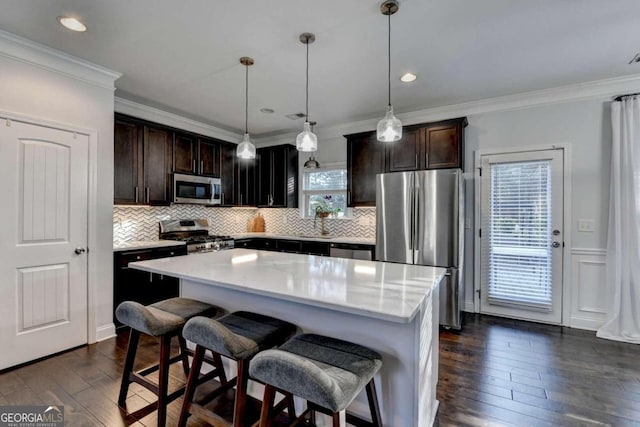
(387, 307)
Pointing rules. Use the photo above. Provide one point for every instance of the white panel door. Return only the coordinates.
(522, 235)
(43, 281)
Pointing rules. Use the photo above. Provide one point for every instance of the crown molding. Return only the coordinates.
(30, 52)
(141, 111)
(598, 89)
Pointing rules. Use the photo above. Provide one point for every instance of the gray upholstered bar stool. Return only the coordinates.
(165, 320)
(328, 373)
(238, 336)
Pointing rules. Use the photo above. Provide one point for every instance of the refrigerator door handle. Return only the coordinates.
(415, 226)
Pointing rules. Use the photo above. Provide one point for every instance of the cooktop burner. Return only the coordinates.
(195, 232)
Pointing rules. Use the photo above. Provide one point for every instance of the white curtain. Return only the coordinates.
(623, 252)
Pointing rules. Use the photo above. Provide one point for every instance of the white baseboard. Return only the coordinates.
(578, 322)
(105, 332)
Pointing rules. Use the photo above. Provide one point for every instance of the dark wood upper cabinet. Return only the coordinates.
(227, 174)
(142, 164)
(158, 159)
(209, 157)
(277, 176)
(246, 180)
(444, 145)
(185, 153)
(127, 163)
(424, 146)
(404, 155)
(365, 159)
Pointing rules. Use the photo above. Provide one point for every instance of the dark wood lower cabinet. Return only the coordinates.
(309, 247)
(139, 286)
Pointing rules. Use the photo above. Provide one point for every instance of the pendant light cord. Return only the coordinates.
(246, 99)
(307, 89)
(389, 49)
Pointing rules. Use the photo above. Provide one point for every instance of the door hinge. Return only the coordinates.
(480, 233)
(480, 171)
(479, 293)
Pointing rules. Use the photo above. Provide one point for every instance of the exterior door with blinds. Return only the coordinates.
(522, 235)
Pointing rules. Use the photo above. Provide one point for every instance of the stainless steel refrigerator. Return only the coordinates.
(420, 220)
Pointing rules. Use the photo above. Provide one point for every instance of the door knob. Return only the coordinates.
(555, 244)
(79, 251)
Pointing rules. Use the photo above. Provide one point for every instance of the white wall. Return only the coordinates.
(37, 92)
(586, 127)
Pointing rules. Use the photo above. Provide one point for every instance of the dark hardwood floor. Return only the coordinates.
(495, 372)
(509, 372)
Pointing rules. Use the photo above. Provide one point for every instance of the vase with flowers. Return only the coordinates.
(323, 209)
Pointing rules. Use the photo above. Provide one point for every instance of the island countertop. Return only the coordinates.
(386, 291)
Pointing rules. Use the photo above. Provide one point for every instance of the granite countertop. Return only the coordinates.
(387, 291)
(144, 244)
(316, 238)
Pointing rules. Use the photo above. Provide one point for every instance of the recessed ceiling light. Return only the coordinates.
(266, 110)
(72, 23)
(408, 77)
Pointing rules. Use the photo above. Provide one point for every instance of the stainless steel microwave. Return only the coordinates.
(196, 189)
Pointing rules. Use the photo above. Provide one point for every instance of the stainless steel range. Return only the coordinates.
(196, 233)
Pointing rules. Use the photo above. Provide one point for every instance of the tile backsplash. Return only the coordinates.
(141, 222)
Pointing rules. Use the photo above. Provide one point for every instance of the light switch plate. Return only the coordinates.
(586, 225)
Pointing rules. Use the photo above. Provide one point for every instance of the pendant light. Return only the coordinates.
(307, 140)
(312, 163)
(389, 128)
(246, 149)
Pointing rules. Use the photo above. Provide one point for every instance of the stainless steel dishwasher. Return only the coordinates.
(352, 251)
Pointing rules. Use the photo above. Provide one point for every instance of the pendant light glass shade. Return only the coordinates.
(312, 163)
(389, 128)
(246, 149)
(307, 140)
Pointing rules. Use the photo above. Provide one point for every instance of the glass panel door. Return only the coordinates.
(521, 259)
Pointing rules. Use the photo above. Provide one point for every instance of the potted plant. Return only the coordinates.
(324, 208)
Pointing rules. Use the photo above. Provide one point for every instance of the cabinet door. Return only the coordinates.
(264, 181)
(127, 163)
(246, 195)
(443, 146)
(365, 159)
(404, 155)
(185, 154)
(157, 166)
(227, 174)
(209, 155)
(279, 175)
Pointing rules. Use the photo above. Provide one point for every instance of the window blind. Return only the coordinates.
(520, 265)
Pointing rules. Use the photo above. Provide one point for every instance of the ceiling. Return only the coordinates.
(186, 59)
